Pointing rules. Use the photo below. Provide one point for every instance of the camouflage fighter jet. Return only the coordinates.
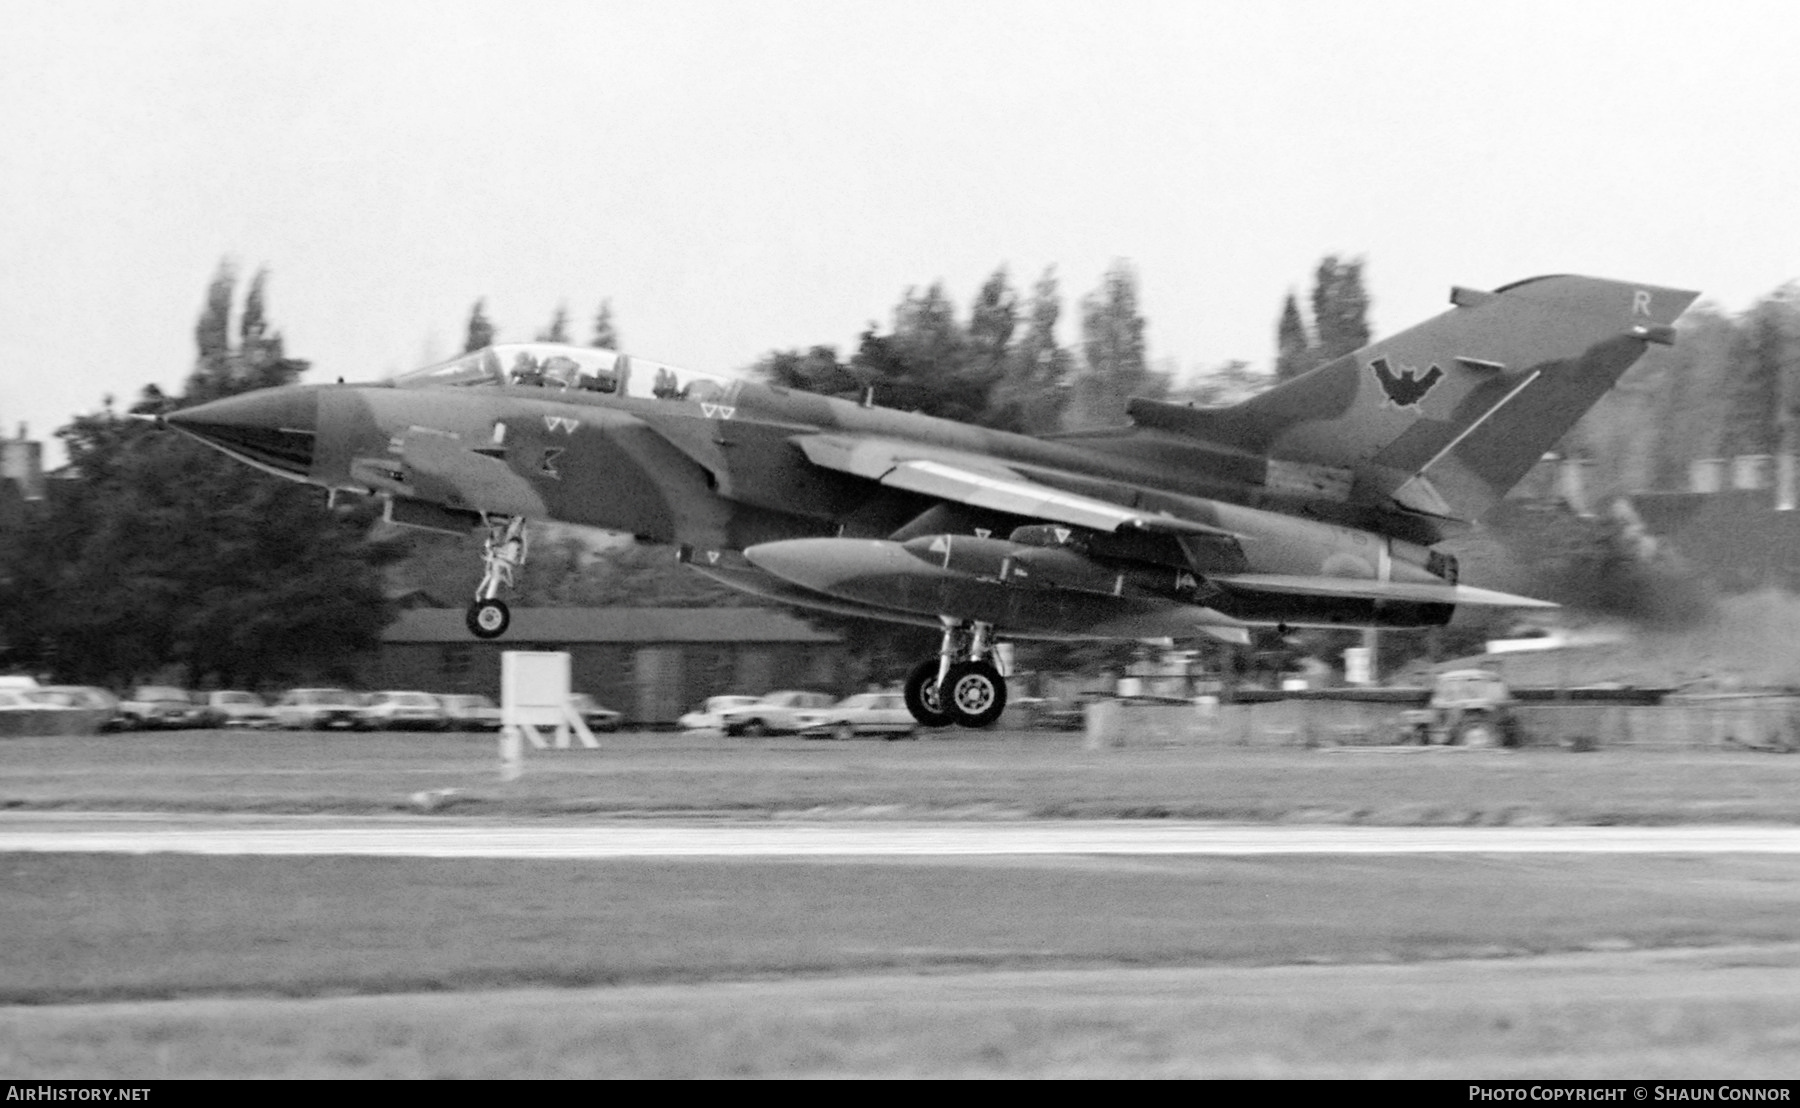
(1316, 503)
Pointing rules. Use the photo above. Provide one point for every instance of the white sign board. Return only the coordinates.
(534, 687)
(1356, 666)
(534, 692)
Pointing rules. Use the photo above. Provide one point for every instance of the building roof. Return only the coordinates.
(614, 625)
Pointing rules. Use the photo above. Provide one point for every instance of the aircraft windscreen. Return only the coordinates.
(581, 368)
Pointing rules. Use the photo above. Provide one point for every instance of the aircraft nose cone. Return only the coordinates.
(272, 429)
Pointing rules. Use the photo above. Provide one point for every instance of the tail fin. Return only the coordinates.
(1445, 417)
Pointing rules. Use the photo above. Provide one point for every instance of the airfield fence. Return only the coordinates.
(1756, 721)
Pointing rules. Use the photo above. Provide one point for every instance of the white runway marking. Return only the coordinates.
(411, 838)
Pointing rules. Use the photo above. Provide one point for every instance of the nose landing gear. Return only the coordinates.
(503, 552)
(962, 684)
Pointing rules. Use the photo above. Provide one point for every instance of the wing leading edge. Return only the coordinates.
(982, 483)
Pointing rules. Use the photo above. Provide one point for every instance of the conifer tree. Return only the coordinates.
(558, 331)
(481, 329)
(1763, 358)
(1293, 346)
(1031, 395)
(1340, 308)
(606, 333)
(993, 318)
(1116, 361)
(212, 334)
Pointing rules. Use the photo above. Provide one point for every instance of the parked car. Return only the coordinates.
(232, 708)
(778, 712)
(593, 713)
(870, 713)
(21, 714)
(398, 710)
(101, 705)
(317, 709)
(710, 715)
(75, 696)
(160, 706)
(470, 712)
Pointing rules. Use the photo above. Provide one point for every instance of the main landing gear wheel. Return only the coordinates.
(975, 692)
(923, 699)
(489, 619)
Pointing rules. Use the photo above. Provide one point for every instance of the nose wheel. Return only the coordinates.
(489, 619)
(502, 554)
(962, 685)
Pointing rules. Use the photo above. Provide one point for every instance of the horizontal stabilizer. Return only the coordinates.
(1410, 592)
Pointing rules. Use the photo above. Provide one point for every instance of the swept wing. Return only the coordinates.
(981, 483)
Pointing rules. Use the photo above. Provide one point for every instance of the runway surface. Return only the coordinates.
(443, 837)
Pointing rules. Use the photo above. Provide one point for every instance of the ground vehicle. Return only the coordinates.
(231, 708)
(777, 712)
(593, 713)
(1469, 707)
(317, 709)
(870, 713)
(709, 716)
(103, 706)
(1056, 714)
(160, 706)
(396, 710)
(27, 712)
(470, 712)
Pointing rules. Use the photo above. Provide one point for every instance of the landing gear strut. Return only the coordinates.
(504, 552)
(961, 685)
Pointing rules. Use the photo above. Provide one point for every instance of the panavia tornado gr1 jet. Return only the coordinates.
(1316, 503)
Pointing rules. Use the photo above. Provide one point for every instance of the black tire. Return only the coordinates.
(756, 728)
(488, 619)
(975, 693)
(922, 698)
(1478, 730)
(843, 732)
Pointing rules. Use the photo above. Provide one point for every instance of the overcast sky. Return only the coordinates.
(751, 175)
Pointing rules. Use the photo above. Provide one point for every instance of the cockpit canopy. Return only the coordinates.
(580, 368)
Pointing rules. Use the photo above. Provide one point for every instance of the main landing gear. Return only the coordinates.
(504, 552)
(962, 684)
